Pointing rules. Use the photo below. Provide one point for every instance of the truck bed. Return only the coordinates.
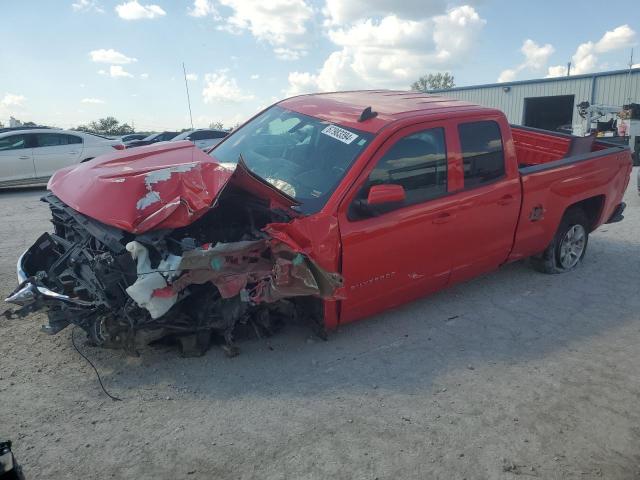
(557, 171)
(536, 147)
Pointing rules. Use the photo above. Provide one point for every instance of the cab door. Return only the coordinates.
(16, 158)
(54, 151)
(488, 204)
(397, 252)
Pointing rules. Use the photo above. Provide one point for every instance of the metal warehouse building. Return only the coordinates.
(551, 103)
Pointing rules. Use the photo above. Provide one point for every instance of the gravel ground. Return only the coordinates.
(513, 374)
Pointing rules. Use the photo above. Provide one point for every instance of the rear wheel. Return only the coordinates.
(568, 247)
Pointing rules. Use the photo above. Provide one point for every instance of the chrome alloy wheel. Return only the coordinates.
(572, 246)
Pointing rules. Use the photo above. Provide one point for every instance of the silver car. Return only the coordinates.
(31, 156)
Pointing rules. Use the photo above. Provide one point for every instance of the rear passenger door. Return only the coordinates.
(488, 204)
(16, 158)
(54, 151)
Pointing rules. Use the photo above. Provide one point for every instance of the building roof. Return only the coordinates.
(345, 108)
(540, 80)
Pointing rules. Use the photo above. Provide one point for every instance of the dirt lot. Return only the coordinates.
(513, 374)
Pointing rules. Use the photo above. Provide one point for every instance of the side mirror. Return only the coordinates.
(380, 194)
(188, 138)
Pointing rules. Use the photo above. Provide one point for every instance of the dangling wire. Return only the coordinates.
(73, 342)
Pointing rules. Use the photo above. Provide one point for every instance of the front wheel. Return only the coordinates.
(568, 247)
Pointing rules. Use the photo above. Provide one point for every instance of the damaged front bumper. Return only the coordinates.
(29, 292)
(125, 289)
(32, 293)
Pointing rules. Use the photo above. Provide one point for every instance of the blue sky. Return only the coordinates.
(67, 62)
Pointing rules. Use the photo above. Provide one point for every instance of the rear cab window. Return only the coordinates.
(482, 152)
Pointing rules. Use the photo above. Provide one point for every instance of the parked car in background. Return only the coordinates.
(132, 136)
(203, 138)
(153, 138)
(11, 129)
(33, 155)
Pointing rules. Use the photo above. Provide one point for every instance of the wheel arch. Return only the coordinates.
(592, 208)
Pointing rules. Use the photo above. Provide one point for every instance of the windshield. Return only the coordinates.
(152, 136)
(302, 156)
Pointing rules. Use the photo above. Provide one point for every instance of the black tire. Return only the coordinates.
(563, 253)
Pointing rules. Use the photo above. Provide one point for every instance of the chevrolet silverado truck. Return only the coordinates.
(325, 208)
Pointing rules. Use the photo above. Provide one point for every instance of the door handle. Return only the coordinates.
(441, 218)
(24, 157)
(506, 200)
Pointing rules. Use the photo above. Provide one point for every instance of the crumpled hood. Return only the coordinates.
(166, 185)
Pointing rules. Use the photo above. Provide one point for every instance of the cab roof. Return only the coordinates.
(345, 108)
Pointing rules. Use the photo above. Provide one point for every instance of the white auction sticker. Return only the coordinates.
(345, 136)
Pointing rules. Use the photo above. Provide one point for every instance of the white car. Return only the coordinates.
(204, 138)
(31, 156)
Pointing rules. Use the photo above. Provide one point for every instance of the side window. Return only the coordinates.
(418, 162)
(219, 134)
(51, 139)
(13, 142)
(202, 135)
(482, 154)
(72, 139)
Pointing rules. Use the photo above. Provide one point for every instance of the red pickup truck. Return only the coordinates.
(327, 207)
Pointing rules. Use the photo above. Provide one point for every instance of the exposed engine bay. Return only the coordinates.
(216, 277)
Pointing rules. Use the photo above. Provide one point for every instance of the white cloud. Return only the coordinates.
(144, 76)
(620, 37)
(392, 52)
(536, 58)
(117, 71)
(284, 53)
(110, 56)
(135, 11)
(585, 59)
(12, 100)
(302, 82)
(87, 6)
(202, 8)
(340, 12)
(192, 77)
(557, 71)
(280, 23)
(219, 88)
(255, 76)
(92, 100)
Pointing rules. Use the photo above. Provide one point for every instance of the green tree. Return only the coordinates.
(217, 125)
(433, 81)
(106, 126)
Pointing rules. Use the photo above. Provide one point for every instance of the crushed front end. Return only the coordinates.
(219, 275)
